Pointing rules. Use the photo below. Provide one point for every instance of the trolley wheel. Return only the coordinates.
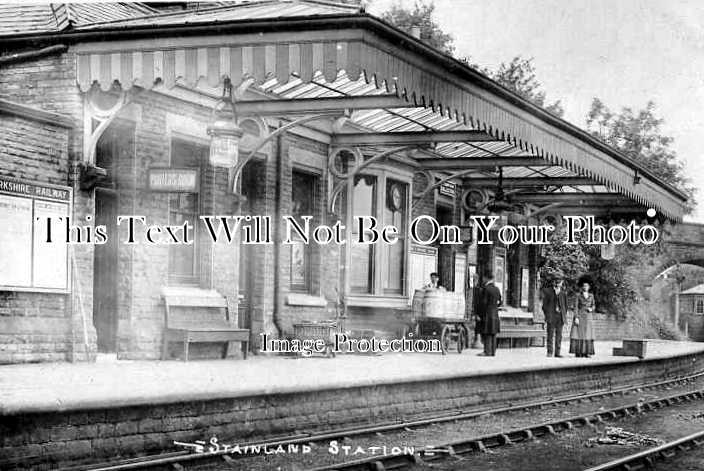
(445, 339)
(461, 339)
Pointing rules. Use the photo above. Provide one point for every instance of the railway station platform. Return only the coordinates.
(60, 412)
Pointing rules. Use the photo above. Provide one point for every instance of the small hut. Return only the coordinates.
(692, 311)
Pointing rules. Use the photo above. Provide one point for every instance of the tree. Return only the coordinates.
(639, 136)
(519, 75)
(421, 17)
(565, 261)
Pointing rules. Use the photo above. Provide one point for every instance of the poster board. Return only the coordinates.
(460, 272)
(27, 261)
(525, 286)
(424, 261)
(471, 274)
(500, 272)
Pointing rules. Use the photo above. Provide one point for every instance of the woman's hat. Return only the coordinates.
(585, 279)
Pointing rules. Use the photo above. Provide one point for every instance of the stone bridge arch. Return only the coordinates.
(682, 244)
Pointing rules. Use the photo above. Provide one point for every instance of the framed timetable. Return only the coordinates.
(27, 261)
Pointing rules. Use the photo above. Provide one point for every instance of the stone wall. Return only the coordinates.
(107, 432)
(40, 326)
(34, 326)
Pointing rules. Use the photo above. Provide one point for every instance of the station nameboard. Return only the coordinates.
(30, 263)
(174, 180)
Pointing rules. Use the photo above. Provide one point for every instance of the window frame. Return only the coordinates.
(195, 277)
(378, 297)
(309, 250)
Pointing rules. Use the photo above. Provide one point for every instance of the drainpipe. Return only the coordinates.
(36, 54)
(278, 288)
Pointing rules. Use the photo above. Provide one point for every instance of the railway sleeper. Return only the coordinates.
(667, 453)
(505, 439)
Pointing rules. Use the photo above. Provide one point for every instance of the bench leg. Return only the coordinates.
(245, 346)
(185, 350)
(225, 350)
(164, 347)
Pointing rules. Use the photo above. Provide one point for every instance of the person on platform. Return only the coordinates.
(490, 302)
(434, 282)
(582, 332)
(477, 312)
(554, 308)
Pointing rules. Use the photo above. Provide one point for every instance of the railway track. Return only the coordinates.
(441, 451)
(648, 458)
(183, 459)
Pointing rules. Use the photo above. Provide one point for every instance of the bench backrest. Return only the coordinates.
(205, 309)
(511, 315)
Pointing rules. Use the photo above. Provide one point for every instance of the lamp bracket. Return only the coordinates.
(359, 165)
(97, 118)
(237, 170)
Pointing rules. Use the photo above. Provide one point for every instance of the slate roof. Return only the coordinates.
(17, 19)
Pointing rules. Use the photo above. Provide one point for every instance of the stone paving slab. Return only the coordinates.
(45, 387)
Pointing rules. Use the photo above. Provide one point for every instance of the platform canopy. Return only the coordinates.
(306, 50)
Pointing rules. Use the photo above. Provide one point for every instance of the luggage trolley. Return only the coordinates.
(440, 315)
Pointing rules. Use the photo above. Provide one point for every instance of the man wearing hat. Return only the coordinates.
(555, 309)
(489, 310)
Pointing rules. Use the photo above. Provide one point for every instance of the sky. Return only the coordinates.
(626, 52)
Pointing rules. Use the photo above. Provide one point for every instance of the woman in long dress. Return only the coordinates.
(582, 333)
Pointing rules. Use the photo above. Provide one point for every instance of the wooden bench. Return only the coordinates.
(518, 324)
(196, 315)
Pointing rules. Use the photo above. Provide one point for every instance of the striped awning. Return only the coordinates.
(361, 53)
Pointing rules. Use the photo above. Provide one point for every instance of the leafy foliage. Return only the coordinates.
(421, 16)
(560, 260)
(520, 76)
(614, 291)
(639, 136)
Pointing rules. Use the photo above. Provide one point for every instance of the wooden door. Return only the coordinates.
(446, 256)
(105, 273)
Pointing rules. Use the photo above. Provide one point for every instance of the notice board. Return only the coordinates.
(424, 261)
(27, 261)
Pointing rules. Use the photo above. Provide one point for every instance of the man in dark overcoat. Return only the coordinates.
(555, 309)
(491, 300)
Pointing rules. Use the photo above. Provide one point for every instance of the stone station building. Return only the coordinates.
(105, 112)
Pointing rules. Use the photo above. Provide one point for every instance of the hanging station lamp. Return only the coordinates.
(224, 132)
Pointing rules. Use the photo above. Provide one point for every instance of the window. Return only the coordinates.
(362, 266)
(395, 215)
(303, 196)
(699, 303)
(183, 258)
(379, 269)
